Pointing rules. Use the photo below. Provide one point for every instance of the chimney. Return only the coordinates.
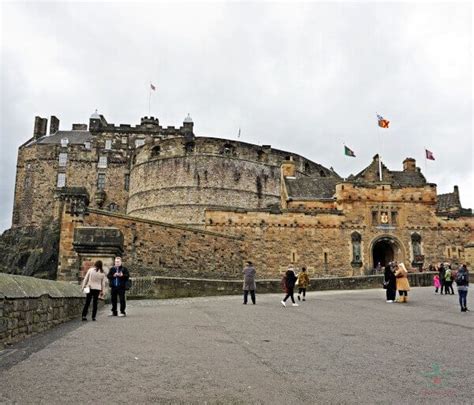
(41, 125)
(53, 125)
(79, 127)
(409, 165)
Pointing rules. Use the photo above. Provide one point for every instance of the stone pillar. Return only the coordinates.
(73, 202)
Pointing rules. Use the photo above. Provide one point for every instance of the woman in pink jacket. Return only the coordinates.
(94, 283)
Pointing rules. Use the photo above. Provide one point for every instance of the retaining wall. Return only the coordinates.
(30, 305)
(166, 287)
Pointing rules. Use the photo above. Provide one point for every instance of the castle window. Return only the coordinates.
(374, 218)
(27, 181)
(113, 207)
(87, 145)
(139, 142)
(156, 151)
(108, 144)
(189, 147)
(61, 179)
(356, 249)
(322, 174)
(394, 217)
(307, 168)
(64, 142)
(62, 159)
(102, 162)
(127, 182)
(228, 149)
(100, 181)
(260, 154)
(124, 139)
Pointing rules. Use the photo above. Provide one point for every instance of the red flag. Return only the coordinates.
(383, 123)
(429, 155)
(152, 87)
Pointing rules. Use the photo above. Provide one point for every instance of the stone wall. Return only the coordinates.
(176, 183)
(154, 248)
(29, 306)
(168, 287)
(323, 242)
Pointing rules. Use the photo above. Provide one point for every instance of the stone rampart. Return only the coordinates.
(29, 305)
(169, 287)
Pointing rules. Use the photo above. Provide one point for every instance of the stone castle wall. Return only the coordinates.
(177, 179)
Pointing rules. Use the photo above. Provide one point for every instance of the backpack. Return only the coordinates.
(461, 278)
(447, 277)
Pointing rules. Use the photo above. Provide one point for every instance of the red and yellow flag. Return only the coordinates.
(383, 123)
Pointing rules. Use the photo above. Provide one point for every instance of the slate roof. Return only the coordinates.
(403, 178)
(448, 202)
(75, 137)
(308, 188)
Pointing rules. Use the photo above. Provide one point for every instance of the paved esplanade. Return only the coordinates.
(337, 347)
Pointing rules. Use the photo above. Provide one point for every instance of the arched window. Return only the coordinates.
(156, 151)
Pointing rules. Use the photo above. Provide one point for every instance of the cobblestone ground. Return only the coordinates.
(347, 347)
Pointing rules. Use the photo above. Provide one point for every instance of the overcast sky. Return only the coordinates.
(302, 77)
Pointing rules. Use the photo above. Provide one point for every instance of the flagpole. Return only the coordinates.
(149, 100)
(426, 166)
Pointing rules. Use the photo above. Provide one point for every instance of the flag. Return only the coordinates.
(152, 87)
(383, 123)
(429, 155)
(349, 152)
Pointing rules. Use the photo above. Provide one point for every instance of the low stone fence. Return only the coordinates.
(167, 287)
(30, 305)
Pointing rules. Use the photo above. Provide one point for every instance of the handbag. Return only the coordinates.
(86, 290)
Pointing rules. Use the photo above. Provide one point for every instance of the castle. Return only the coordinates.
(177, 204)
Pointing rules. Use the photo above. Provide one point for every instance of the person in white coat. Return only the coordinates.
(94, 283)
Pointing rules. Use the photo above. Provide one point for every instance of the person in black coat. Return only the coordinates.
(442, 277)
(118, 276)
(290, 280)
(390, 283)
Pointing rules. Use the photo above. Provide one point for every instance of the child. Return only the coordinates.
(436, 283)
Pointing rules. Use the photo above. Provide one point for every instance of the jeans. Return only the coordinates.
(289, 294)
(94, 296)
(120, 292)
(462, 298)
(252, 296)
(302, 290)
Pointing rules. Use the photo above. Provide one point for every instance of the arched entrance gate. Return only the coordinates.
(386, 249)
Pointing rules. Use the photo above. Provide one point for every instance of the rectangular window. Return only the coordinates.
(108, 144)
(61, 179)
(394, 217)
(127, 182)
(64, 142)
(101, 181)
(62, 159)
(124, 140)
(87, 145)
(139, 142)
(102, 162)
(374, 217)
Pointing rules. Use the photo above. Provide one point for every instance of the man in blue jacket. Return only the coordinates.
(118, 276)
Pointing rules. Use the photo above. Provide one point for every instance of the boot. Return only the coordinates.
(405, 299)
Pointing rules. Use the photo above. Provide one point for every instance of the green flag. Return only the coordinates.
(349, 152)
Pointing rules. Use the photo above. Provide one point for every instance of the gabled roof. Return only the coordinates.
(405, 178)
(448, 202)
(75, 137)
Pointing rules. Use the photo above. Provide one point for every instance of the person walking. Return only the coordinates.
(302, 281)
(94, 281)
(249, 282)
(403, 286)
(290, 280)
(390, 283)
(462, 281)
(448, 281)
(118, 276)
(441, 273)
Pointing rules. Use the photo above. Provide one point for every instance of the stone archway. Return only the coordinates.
(384, 250)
